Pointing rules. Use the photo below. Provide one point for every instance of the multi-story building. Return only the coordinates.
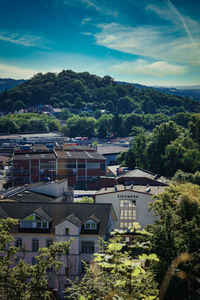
(131, 204)
(82, 168)
(41, 224)
(33, 167)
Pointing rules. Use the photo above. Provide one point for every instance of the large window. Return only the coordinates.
(87, 247)
(127, 213)
(35, 244)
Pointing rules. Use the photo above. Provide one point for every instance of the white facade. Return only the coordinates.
(130, 206)
(57, 189)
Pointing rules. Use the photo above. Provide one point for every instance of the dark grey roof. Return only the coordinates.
(73, 219)
(3, 213)
(60, 211)
(29, 196)
(94, 218)
(40, 212)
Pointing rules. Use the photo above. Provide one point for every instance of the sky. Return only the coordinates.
(150, 42)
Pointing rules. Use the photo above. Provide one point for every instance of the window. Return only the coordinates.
(90, 225)
(87, 247)
(34, 221)
(49, 242)
(35, 244)
(93, 166)
(18, 243)
(66, 231)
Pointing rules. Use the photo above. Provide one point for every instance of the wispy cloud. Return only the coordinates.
(158, 42)
(96, 5)
(171, 13)
(142, 67)
(24, 40)
(85, 20)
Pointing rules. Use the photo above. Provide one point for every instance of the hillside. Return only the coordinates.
(69, 89)
(8, 83)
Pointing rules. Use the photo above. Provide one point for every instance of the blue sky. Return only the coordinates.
(148, 42)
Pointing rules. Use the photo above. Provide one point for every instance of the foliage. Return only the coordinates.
(182, 177)
(20, 280)
(168, 148)
(28, 122)
(118, 272)
(69, 89)
(85, 200)
(177, 231)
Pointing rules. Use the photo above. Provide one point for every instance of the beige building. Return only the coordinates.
(131, 204)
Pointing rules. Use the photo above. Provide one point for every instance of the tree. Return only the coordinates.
(19, 280)
(85, 200)
(37, 125)
(117, 272)
(194, 127)
(177, 231)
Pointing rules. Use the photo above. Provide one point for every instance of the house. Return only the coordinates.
(41, 224)
(131, 204)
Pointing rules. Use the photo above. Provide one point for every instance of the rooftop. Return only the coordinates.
(109, 149)
(150, 190)
(58, 212)
(79, 155)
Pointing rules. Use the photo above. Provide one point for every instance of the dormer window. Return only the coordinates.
(90, 225)
(34, 221)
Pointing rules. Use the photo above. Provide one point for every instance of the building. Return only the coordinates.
(41, 224)
(122, 175)
(82, 168)
(131, 204)
(33, 167)
(54, 191)
(110, 152)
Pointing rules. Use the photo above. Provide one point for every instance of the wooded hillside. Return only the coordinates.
(77, 90)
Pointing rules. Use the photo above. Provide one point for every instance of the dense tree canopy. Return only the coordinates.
(70, 89)
(168, 148)
(175, 238)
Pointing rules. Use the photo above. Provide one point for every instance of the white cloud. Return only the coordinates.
(85, 20)
(158, 42)
(24, 40)
(158, 69)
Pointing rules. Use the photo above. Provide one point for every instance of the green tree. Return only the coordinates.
(177, 232)
(194, 127)
(117, 273)
(85, 200)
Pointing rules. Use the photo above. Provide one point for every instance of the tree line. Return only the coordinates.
(103, 126)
